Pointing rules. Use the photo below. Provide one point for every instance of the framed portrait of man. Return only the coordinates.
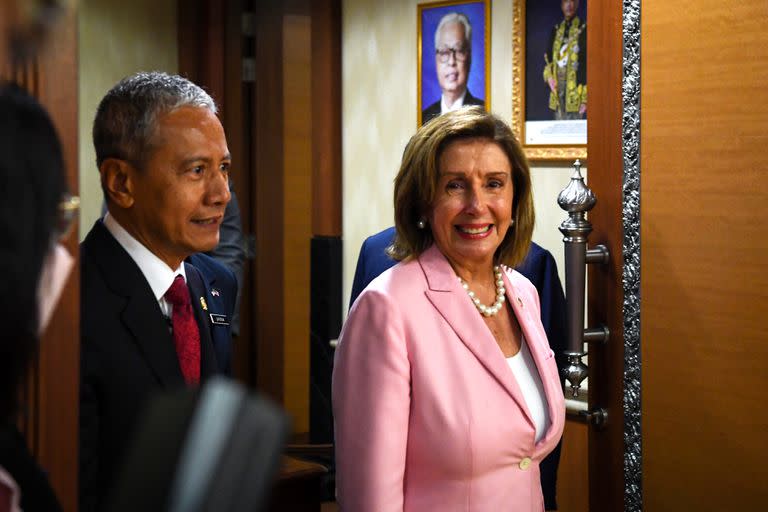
(549, 99)
(453, 57)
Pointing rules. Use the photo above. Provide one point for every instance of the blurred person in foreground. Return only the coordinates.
(445, 390)
(155, 312)
(35, 214)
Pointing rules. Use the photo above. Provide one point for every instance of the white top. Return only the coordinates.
(157, 273)
(527, 375)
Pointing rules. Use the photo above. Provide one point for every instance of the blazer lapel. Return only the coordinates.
(199, 293)
(142, 317)
(524, 311)
(450, 299)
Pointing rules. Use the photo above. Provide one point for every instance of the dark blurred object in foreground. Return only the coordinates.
(217, 448)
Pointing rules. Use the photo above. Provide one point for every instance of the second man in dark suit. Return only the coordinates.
(155, 314)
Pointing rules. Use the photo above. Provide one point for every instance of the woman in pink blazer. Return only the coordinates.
(446, 395)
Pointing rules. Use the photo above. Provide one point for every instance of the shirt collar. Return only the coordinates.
(444, 107)
(157, 273)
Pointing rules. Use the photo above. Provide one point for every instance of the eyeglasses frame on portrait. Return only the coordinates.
(459, 54)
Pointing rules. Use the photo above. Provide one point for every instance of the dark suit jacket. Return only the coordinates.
(433, 110)
(15, 459)
(231, 250)
(127, 349)
(539, 267)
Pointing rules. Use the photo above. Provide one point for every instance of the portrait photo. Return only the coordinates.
(453, 57)
(551, 105)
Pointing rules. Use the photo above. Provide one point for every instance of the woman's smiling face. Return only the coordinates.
(472, 209)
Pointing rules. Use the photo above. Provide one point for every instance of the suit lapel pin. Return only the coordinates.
(215, 292)
(203, 304)
(520, 302)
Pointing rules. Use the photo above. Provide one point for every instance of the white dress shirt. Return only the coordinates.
(456, 105)
(157, 273)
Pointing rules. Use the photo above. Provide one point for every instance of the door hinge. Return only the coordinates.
(248, 24)
(249, 69)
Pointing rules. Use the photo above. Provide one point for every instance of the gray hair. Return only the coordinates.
(126, 117)
(455, 17)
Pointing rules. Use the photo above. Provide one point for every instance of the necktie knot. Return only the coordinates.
(178, 293)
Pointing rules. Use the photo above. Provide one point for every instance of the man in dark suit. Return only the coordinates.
(155, 313)
(539, 267)
(453, 59)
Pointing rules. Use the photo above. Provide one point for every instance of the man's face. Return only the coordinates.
(453, 73)
(569, 8)
(180, 194)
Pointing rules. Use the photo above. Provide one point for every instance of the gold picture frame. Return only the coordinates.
(429, 91)
(534, 151)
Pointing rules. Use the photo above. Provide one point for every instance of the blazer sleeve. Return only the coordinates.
(371, 404)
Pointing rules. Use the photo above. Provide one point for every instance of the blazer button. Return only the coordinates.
(525, 463)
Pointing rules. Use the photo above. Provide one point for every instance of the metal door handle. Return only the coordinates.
(596, 417)
(577, 199)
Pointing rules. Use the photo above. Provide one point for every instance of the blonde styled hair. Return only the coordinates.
(416, 182)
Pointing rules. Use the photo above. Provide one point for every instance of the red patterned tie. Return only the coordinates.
(186, 337)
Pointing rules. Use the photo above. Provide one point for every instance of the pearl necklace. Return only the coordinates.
(500, 295)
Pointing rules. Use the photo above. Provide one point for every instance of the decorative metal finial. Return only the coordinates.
(576, 197)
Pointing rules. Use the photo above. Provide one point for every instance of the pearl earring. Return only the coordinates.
(421, 224)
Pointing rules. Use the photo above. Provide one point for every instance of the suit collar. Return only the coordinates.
(157, 273)
(141, 315)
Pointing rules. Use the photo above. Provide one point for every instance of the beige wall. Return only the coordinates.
(379, 115)
(116, 38)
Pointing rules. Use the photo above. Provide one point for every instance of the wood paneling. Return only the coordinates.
(267, 211)
(573, 471)
(326, 118)
(50, 424)
(284, 131)
(704, 245)
(211, 49)
(606, 362)
(297, 197)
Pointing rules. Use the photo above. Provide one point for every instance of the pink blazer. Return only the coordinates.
(428, 414)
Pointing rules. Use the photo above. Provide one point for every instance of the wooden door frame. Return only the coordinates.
(212, 57)
(49, 420)
(610, 472)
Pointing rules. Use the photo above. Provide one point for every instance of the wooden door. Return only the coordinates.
(697, 351)
(274, 69)
(704, 155)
